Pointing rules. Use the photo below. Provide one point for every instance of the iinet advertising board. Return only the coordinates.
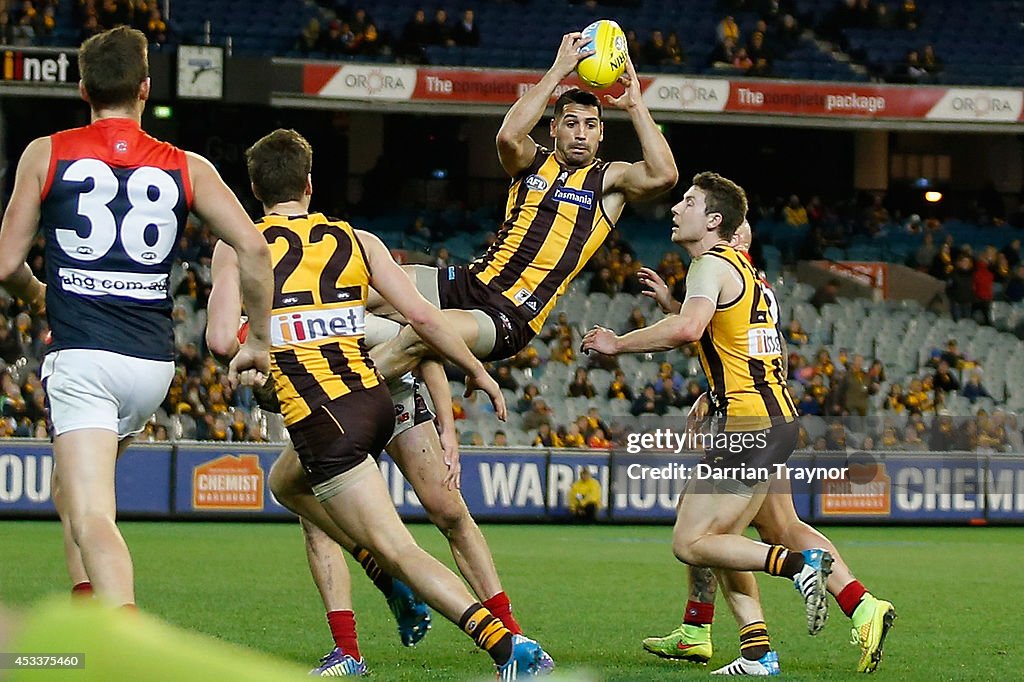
(375, 82)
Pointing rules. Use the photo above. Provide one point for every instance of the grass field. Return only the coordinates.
(588, 594)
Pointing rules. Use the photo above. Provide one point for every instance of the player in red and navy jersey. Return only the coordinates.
(111, 202)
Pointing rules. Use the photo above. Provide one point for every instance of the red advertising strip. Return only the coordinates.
(675, 92)
(831, 99)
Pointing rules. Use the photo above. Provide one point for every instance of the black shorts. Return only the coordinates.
(750, 456)
(340, 434)
(458, 289)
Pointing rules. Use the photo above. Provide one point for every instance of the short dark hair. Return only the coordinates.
(278, 166)
(576, 96)
(725, 197)
(113, 64)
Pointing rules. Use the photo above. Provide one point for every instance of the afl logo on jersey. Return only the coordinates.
(536, 183)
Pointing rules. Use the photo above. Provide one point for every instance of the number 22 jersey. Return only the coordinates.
(113, 209)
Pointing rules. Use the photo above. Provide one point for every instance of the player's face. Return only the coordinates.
(577, 134)
(689, 221)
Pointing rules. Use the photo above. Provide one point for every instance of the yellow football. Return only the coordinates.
(608, 42)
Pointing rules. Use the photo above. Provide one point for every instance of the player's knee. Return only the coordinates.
(683, 549)
(286, 480)
(391, 550)
(447, 513)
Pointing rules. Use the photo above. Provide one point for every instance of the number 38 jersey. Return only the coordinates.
(318, 320)
(741, 353)
(112, 211)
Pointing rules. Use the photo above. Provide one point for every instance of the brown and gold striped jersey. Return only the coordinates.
(741, 353)
(554, 222)
(317, 322)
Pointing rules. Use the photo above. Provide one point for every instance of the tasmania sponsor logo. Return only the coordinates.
(314, 325)
(962, 104)
(140, 286)
(763, 341)
(228, 483)
(537, 183)
(584, 198)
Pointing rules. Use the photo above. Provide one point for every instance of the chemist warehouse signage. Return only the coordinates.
(38, 66)
(532, 484)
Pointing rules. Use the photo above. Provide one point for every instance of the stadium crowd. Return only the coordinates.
(834, 386)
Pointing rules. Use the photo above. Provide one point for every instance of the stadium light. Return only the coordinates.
(933, 197)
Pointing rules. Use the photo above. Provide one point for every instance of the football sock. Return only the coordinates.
(698, 613)
(377, 574)
(754, 642)
(82, 590)
(501, 607)
(488, 633)
(849, 597)
(343, 629)
(780, 561)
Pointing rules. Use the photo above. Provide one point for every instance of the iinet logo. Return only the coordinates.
(314, 325)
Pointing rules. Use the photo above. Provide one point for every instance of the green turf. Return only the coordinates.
(588, 594)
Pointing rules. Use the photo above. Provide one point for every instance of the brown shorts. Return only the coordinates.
(458, 289)
(339, 435)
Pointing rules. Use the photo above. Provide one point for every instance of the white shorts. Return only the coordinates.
(97, 389)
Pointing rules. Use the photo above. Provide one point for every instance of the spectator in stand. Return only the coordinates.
(931, 63)
(835, 436)
(546, 438)
(825, 294)
(794, 212)
(602, 282)
(580, 387)
(598, 441)
(973, 388)
(668, 377)
(1014, 289)
(693, 393)
(728, 29)
(895, 401)
(466, 32)
(787, 35)
(952, 355)
(742, 60)
(525, 403)
(655, 51)
(539, 414)
(809, 404)
(991, 433)
(634, 47)
(571, 436)
(1014, 437)
(503, 377)
(724, 54)
(156, 27)
(925, 253)
(909, 17)
(982, 285)
(619, 389)
(648, 403)
(961, 288)
(855, 388)
(527, 358)
(676, 55)
(889, 439)
(337, 40)
(942, 265)
(762, 57)
(943, 434)
(795, 334)
(913, 69)
(636, 320)
(500, 439)
(944, 380)
(912, 440)
(1012, 253)
(415, 36)
(585, 497)
(563, 352)
(440, 32)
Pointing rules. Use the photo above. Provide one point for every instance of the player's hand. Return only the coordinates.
(698, 413)
(633, 95)
(253, 355)
(450, 447)
(482, 381)
(569, 54)
(656, 289)
(602, 340)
